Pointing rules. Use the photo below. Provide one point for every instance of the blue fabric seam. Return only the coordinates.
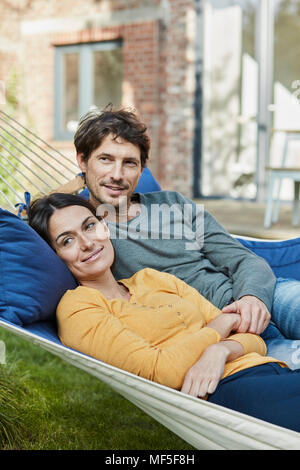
(284, 243)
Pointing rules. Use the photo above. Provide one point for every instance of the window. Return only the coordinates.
(86, 76)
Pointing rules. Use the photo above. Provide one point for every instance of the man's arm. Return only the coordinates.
(253, 281)
(250, 274)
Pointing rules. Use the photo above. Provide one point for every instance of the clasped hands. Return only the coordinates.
(248, 314)
(255, 316)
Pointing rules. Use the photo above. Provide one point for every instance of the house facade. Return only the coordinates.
(215, 81)
(68, 56)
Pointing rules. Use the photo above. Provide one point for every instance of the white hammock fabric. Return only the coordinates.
(204, 425)
(28, 163)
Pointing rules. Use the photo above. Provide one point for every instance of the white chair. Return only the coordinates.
(277, 174)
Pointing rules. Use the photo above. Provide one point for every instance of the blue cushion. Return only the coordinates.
(85, 193)
(283, 256)
(44, 329)
(32, 277)
(146, 184)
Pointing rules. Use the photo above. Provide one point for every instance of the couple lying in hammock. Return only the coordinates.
(156, 326)
(148, 320)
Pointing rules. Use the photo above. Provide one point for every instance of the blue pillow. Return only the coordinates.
(32, 277)
(283, 255)
(146, 184)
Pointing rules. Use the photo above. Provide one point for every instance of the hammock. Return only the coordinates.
(202, 424)
(29, 165)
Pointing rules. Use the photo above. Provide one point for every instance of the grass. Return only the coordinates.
(11, 393)
(51, 405)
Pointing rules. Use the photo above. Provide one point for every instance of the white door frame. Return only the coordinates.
(264, 51)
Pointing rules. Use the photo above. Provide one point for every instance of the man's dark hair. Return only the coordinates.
(96, 125)
(42, 209)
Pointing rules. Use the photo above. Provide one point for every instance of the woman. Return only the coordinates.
(156, 326)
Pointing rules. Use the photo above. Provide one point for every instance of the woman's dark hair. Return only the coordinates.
(42, 209)
(96, 125)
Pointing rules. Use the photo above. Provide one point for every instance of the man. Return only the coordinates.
(168, 232)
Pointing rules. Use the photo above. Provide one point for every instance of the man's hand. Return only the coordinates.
(255, 316)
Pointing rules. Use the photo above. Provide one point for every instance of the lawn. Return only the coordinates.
(55, 406)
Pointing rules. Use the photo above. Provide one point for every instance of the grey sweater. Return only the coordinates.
(175, 235)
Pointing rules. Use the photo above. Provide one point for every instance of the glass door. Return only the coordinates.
(286, 90)
(230, 98)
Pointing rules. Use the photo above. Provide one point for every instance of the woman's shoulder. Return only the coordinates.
(80, 295)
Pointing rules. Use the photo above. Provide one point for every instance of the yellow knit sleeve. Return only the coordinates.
(86, 324)
(250, 342)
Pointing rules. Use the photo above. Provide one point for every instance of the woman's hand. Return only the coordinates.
(225, 323)
(203, 377)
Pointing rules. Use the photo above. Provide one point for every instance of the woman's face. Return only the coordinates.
(81, 241)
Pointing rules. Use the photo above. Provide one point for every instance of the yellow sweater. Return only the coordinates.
(159, 334)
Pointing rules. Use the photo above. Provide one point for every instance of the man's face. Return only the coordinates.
(112, 171)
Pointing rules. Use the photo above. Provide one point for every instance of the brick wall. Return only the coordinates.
(158, 67)
(177, 98)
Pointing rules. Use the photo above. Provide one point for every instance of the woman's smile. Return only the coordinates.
(96, 254)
